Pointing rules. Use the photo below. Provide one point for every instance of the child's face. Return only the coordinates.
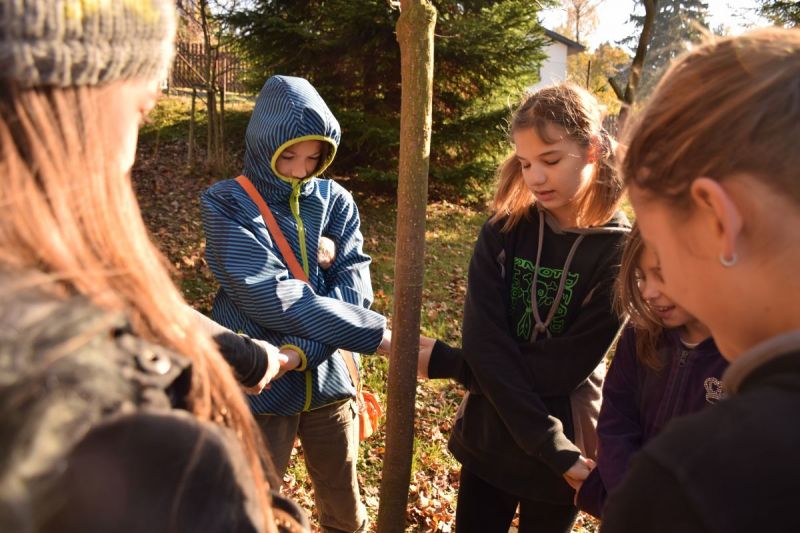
(299, 160)
(131, 101)
(555, 173)
(651, 284)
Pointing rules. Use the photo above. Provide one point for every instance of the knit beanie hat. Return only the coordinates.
(66, 43)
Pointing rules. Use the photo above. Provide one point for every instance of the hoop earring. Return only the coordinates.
(727, 263)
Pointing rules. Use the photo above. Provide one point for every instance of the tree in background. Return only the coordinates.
(582, 18)
(202, 20)
(781, 12)
(677, 23)
(627, 94)
(486, 51)
(593, 69)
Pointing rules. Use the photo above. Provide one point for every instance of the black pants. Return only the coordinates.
(483, 508)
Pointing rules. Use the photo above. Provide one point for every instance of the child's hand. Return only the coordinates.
(275, 362)
(424, 359)
(578, 472)
(326, 253)
(292, 361)
(386, 342)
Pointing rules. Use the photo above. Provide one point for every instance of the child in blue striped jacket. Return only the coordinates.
(291, 139)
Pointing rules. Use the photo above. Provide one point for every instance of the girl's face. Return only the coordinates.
(299, 160)
(651, 285)
(129, 101)
(689, 263)
(555, 173)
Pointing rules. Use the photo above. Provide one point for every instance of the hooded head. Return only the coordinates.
(288, 111)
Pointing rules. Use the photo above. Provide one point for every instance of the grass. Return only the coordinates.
(169, 194)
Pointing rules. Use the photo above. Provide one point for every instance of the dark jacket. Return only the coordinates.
(638, 401)
(729, 468)
(95, 431)
(537, 322)
(247, 357)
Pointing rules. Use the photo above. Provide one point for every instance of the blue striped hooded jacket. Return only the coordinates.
(258, 295)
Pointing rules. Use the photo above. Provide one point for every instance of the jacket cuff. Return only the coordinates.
(303, 359)
(445, 361)
(558, 452)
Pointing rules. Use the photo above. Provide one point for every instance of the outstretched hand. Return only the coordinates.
(424, 359)
(578, 472)
(291, 361)
(425, 349)
(386, 342)
(275, 361)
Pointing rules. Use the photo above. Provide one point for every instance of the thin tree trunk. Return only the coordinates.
(211, 108)
(629, 94)
(221, 130)
(192, 120)
(415, 36)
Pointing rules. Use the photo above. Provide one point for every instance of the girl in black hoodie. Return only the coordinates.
(537, 319)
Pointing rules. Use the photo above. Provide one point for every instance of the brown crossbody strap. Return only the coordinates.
(291, 261)
(274, 230)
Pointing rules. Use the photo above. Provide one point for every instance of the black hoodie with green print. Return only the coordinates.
(523, 361)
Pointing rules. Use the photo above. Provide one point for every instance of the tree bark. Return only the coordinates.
(192, 119)
(629, 95)
(415, 36)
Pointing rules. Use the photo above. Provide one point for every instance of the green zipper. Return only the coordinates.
(294, 204)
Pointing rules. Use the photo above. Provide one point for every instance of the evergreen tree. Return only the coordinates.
(485, 51)
(781, 12)
(677, 24)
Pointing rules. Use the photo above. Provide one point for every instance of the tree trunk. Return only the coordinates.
(211, 112)
(628, 96)
(221, 129)
(192, 120)
(415, 36)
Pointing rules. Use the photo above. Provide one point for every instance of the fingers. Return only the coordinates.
(386, 342)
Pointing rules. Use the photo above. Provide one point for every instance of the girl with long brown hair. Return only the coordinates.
(665, 366)
(98, 350)
(537, 319)
(712, 167)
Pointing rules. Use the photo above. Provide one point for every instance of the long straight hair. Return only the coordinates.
(70, 215)
(628, 301)
(578, 114)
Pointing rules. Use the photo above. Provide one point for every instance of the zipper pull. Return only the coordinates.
(684, 357)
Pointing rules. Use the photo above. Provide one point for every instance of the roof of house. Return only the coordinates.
(572, 45)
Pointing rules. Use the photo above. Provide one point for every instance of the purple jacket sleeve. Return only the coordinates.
(592, 496)
(619, 427)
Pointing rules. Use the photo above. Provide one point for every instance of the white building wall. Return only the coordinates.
(554, 68)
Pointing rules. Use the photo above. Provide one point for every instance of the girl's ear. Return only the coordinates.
(722, 214)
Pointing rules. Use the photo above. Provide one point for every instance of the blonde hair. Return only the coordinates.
(579, 114)
(628, 301)
(731, 105)
(70, 214)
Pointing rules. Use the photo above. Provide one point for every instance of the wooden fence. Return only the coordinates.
(188, 69)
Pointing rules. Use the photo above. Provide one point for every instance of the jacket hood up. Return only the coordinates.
(288, 110)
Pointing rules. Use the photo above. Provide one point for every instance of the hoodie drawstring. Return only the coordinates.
(541, 326)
